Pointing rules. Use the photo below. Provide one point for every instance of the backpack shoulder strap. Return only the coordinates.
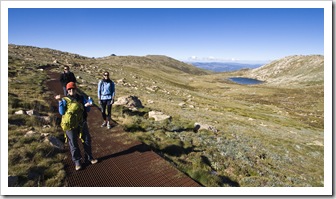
(67, 98)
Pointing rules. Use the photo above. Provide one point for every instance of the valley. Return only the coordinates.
(264, 135)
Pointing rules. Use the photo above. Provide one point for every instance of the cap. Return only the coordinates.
(70, 85)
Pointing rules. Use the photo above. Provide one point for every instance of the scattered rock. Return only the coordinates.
(182, 104)
(20, 112)
(153, 88)
(121, 81)
(129, 101)
(53, 141)
(32, 112)
(30, 133)
(158, 116)
(198, 126)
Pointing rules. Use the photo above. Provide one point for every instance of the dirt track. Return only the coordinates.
(123, 162)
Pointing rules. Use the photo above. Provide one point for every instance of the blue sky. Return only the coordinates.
(182, 33)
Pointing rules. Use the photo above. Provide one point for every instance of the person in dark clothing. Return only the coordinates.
(74, 108)
(66, 77)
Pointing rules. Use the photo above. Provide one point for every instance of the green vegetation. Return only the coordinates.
(33, 160)
(267, 135)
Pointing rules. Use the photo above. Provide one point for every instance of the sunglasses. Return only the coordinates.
(71, 89)
(66, 69)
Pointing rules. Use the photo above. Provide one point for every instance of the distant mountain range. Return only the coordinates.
(224, 66)
(289, 71)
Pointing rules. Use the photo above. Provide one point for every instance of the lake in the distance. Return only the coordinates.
(244, 80)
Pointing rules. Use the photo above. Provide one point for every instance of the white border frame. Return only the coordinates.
(326, 190)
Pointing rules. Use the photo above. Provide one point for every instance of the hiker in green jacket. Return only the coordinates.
(74, 108)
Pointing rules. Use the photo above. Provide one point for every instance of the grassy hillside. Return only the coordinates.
(266, 135)
(292, 70)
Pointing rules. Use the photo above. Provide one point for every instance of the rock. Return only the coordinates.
(20, 112)
(56, 143)
(198, 126)
(153, 88)
(158, 116)
(30, 133)
(32, 112)
(129, 101)
(182, 104)
(121, 81)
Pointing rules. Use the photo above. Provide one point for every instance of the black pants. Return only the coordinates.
(106, 104)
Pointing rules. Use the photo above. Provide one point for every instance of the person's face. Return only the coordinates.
(105, 76)
(72, 91)
(66, 70)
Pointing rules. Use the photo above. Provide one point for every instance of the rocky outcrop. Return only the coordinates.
(131, 102)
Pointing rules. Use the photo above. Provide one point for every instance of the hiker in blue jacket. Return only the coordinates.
(76, 106)
(106, 93)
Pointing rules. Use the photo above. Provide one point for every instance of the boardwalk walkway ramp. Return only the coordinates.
(123, 161)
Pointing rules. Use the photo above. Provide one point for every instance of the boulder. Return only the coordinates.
(129, 101)
(158, 116)
(30, 133)
(199, 126)
(20, 112)
(56, 143)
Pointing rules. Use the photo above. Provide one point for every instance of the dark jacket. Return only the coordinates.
(67, 77)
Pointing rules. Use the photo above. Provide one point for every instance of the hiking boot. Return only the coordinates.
(109, 126)
(94, 161)
(104, 124)
(78, 167)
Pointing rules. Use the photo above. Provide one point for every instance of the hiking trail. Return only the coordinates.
(122, 161)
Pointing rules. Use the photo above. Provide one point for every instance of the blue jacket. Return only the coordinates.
(106, 89)
(62, 105)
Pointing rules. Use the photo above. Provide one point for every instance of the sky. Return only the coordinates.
(227, 34)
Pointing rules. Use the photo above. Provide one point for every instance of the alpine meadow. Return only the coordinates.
(219, 133)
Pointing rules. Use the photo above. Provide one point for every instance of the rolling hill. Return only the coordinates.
(265, 135)
(292, 70)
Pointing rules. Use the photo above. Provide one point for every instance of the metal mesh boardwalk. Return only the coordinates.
(122, 161)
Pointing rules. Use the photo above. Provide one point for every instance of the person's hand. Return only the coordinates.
(99, 101)
(112, 101)
(58, 97)
(87, 104)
